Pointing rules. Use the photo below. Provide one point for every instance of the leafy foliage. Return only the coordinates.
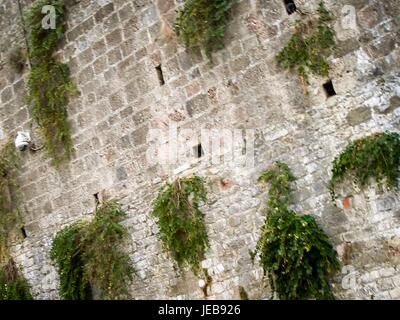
(107, 267)
(12, 285)
(8, 163)
(49, 84)
(8, 213)
(202, 24)
(309, 46)
(49, 87)
(181, 223)
(376, 156)
(293, 249)
(66, 251)
(89, 257)
(43, 42)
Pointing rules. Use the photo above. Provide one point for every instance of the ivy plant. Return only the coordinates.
(13, 286)
(66, 252)
(89, 257)
(49, 83)
(9, 162)
(181, 223)
(8, 211)
(44, 41)
(373, 157)
(201, 24)
(294, 251)
(309, 46)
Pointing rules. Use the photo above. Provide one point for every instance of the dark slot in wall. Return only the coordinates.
(290, 6)
(198, 151)
(160, 75)
(329, 89)
(23, 232)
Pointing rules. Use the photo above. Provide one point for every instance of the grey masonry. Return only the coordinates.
(114, 48)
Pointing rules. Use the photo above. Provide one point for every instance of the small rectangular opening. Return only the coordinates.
(198, 151)
(329, 89)
(96, 198)
(290, 6)
(160, 75)
(23, 232)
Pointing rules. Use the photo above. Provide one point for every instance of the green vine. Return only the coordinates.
(49, 83)
(12, 284)
(89, 257)
(376, 156)
(309, 46)
(67, 253)
(293, 249)
(16, 59)
(181, 223)
(201, 24)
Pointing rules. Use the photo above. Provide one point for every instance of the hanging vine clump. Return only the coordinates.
(201, 24)
(374, 157)
(181, 223)
(294, 251)
(49, 83)
(89, 257)
(309, 46)
(13, 285)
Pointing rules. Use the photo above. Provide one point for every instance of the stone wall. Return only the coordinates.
(113, 49)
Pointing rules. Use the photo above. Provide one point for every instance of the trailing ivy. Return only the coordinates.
(8, 212)
(201, 24)
(181, 223)
(66, 251)
(373, 157)
(49, 83)
(309, 46)
(294, 251)
(12, 284)
(89, 257)
(9, 162)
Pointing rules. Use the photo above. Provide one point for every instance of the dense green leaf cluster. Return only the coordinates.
(309, 46)
(376, 156)
(202, 24)
(43, 42)
(12, 285)
(181, 223)
(90, 259)
(67, 252)
(8, 163)
(293, 249)
(49, 84)
(8, 213)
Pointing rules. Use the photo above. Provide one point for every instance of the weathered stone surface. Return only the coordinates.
(113, 48)
(197, 105)
(359, 115)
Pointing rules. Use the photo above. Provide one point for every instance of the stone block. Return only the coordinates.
(359, 115)
(104, 12)
(197, 105)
